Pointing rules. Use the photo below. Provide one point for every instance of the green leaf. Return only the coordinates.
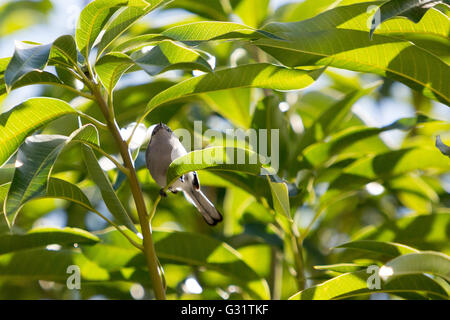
(442, 146)
(41, 237)
(34, 162)
(58, 189)
(213, 30)
(123, 21)
(137, 42)
(356, 283)
(168, 55)
(432, 262)
(341, 267)
(217, 158)
(64, 52)
(280, 198)
(342, 143)
(414, 10)
(110, 198)
(48, 265)
(210, 9)
(332, 117)
(425, 232)
(386, 248)
(94, 17)
(339, 38)
(34, 77)
(19, 122)
(260, 75)
(306, 9)
(27, 57)
(115, 252)
(252, 12)
(111, 67)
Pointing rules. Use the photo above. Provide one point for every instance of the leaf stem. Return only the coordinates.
(149, 248)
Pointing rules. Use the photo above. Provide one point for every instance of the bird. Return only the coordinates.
(163, 148)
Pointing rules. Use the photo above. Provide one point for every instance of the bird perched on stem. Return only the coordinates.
(163, 148)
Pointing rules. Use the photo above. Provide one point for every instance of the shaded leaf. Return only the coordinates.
(110, 198)
(27, 57)
(168, 55)
(442, 146)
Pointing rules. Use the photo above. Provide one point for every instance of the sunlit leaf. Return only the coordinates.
(383, 247)
(260, 75)
(19, 122)
(414, 10)
(41, 237)
(435, 263)
(339, 38)
(356, 283)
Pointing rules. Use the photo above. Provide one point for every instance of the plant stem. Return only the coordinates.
(149, 248)
(297, 250)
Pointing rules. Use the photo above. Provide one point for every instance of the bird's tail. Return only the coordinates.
(204, 206)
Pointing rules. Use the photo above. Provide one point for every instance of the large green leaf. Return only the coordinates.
(424, 232)
(64, 52)
(95, 16)
(432, 262)
(252, 12)
(414, 10)
(48, 265)
(34, 77)
(123, 21)
(111, 67)
(260, 75)
(217, 158)
(332, 117)
(57, 189)
(34, 162)
(385, 166)
(356, 283)
(342, 143)
(27, 57)
(384, 247)
(168, 55)
(339, 38)
(19, 122)
(213, 30)
(41, 237)
(110, 198)
(194, 249)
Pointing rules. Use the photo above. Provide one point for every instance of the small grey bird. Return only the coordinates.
(163, 148)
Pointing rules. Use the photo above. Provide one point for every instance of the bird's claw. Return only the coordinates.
(162, 193)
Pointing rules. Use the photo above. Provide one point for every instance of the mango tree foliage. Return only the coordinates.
(336, 199)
